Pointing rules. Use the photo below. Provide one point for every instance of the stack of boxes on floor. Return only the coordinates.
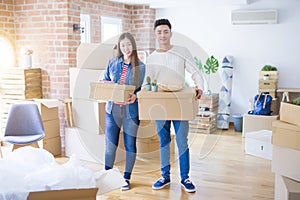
(257, 129)
(206, 118)
(86, 138)
(286, 153)
(269, 86)
(49, 112)
(25, 86)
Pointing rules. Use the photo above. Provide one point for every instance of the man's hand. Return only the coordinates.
(198, 93)
(132, 98)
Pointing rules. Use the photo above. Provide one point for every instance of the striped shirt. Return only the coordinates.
(122, 81)
(123, 75)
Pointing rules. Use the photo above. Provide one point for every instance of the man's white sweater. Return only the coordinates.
(169, 67)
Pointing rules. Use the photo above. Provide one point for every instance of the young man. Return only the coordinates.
(167, 65)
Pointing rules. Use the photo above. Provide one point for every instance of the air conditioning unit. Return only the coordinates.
(254, 16)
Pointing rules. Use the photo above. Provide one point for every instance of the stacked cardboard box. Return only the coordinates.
(86, 137)
(206, 118)
(286, 152)
(49, 112)
(269, 86)
(257, 130)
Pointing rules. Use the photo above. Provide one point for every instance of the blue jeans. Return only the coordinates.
(113, 124)
(181, 131)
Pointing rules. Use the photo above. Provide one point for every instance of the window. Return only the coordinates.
(110, 27)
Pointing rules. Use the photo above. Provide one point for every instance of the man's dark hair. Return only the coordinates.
(159, 22)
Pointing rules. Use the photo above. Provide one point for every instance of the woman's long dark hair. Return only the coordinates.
(134, 57)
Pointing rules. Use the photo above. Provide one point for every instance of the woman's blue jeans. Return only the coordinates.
(181, 131)
(113, 124)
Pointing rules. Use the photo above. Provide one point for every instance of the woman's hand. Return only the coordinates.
(132, 98)
(198, 93)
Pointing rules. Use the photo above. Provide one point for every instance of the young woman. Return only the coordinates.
(126, 69)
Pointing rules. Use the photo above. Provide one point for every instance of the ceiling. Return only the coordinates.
(169, 3)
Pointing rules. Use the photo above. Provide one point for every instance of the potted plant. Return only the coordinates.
(296, 101)
(154, 86)
(266, 77)
(211, 66)
(148, 83)
(269, 70)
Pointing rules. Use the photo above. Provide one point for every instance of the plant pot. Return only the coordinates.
(154, 88)
(148, 87)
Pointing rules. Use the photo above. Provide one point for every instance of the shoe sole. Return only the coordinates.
(188, 190)
(124, 189)
(161, 187)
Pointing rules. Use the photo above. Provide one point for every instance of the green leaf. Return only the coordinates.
(211, 65)
(198, 63)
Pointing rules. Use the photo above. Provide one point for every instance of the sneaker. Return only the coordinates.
(188, 185)
(126, 186)
(161, 183)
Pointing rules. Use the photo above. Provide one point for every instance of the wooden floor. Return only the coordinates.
(219, 168)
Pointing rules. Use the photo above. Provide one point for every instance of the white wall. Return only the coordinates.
(208, 23)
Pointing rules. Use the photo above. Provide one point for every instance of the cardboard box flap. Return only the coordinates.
(113, 86)
(185, 93)
(289, 113)
(285, 125)
(49, 103)
(70, 194)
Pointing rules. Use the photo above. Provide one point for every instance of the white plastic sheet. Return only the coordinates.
(32, 169)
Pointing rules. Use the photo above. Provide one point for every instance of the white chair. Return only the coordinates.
(24, 126)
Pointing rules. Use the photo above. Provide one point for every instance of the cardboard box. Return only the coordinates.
(47, 107)
(258, 143)
(89, 115)
(286, 162)
(80, 81)
(147, 128)
(89, 146)
(257, 122)
(53, 145)
(70, 194)
(273, 75)
(110, 91)
(286, 135)
(94, 55)
(51, 128)
(286, 189)
(161, 105)
(268, 84)
(209, 101)
(150, 148)
(290, 113)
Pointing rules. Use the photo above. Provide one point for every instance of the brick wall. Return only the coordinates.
(46, 27)
(7, 30)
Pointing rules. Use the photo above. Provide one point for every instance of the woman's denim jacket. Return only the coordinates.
(113, 73)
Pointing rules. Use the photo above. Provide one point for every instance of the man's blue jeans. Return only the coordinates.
(181, 131)
(113, 124)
